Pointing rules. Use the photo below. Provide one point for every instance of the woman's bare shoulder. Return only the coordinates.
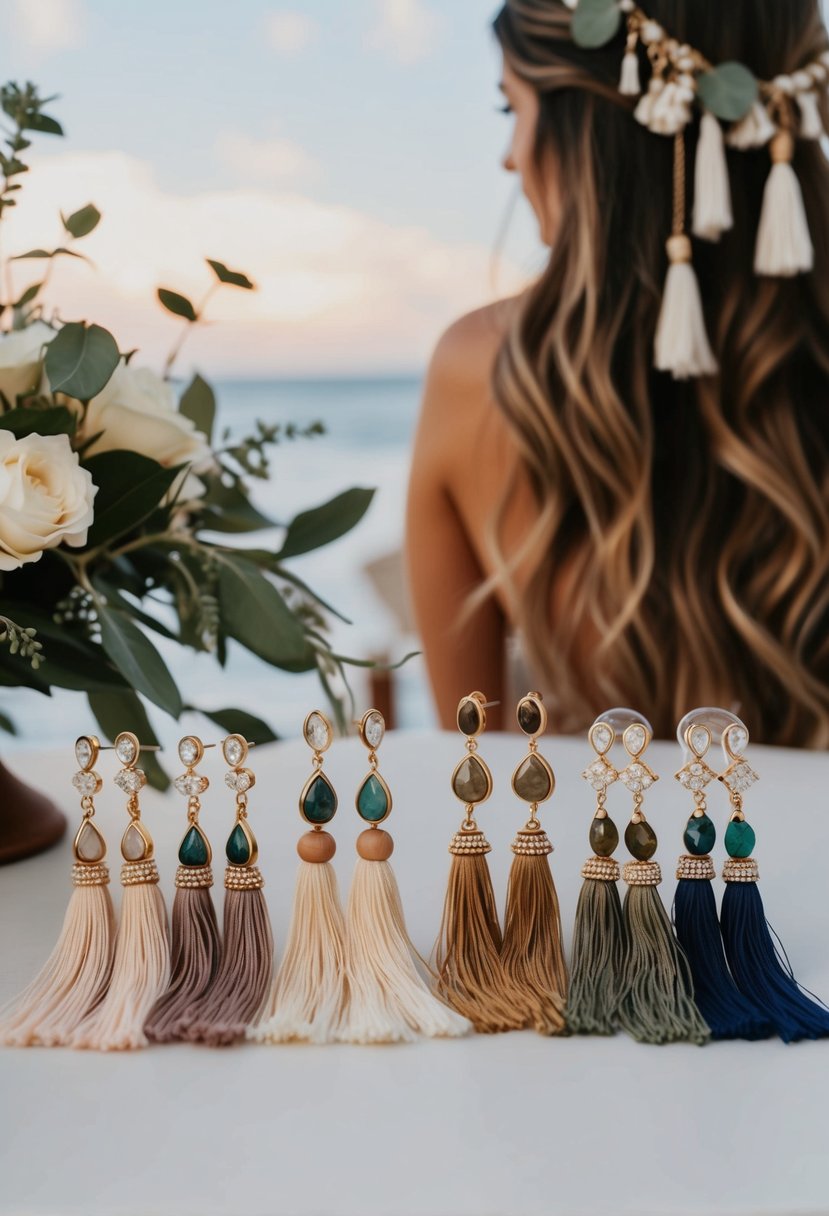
(465, 352)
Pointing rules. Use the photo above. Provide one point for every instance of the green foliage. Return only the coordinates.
(81, 359)
(595, 23)
(234, 278)
(198, 403)
(313, 529)
(130, 488)
(728, 91)
(177, 304)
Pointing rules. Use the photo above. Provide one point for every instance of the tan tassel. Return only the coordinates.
(681, 343)
(141, 969)
(712, 193)
(784, 247)
(76, 975)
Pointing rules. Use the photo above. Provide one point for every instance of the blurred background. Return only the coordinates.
(347, 157)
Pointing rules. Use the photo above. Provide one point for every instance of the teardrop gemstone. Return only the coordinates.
(135, 846)
(529, 717)
(238, 847)
(194, 850)
(319, 804)
(604, 836)
(640, 839)
(700, 835)
(89, 843)
(739, 838)
(469, 717)
(372, 800)
(533, 781)
(470, 781)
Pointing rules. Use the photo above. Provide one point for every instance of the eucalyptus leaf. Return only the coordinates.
(44, 124)
(57, 420)
(80, 360)
(234, 277)
(116, 712)
(131, 651)
(82, 222)
(130, 487)
(47, 253)
(313, 529)
(728, 91)
(28, 295)
(114, 597)
(254, 613)
(198, 403)
(228, 509)
(177, 304)
(595, 23)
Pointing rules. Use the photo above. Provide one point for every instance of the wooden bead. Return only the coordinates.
(375, 845)
(316, 846)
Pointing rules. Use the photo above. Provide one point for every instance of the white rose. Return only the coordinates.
(21, 359)
(137, 411)
(45, 497)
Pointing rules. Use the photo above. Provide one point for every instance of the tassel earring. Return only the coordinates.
(471, 975)
(784, 246)
(388, 1001)
(141, 968)
(75, 976)
(599, 948)
(681, 344)
(234, 998)
(533, 950)
(657, 1003)
(725, 1009)
(195, 930)
(754, 959)
(307, 1000)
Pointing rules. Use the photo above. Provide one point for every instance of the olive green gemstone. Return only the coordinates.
(469, 718)
(640, 839)
(739, 838)
(470, 781)
(529, 717)
(320, 803)
(700, 835)
(193, 849)
(372, 800)
(238, 847)
(532, 780)
(604, 836)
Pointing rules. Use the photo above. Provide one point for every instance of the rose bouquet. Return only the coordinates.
(121, 518)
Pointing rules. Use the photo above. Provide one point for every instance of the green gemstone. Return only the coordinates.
(372, 800)
(640, 839)
(320, 803)
(604, 836)
(700, 835)
(470, 781)
(193, 849)
(739, 838)
(532, 780)
(238, 847)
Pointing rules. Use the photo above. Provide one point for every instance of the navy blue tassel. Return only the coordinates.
(729, 1014)
(757, 970)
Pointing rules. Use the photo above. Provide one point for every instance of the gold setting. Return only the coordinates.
(243, 878)
(696, 867)
(89, 874)
(601, 869)
(642, 873)
(134, 873)
(194, 877)
(469, 842)
(531, 843)
(740, 869)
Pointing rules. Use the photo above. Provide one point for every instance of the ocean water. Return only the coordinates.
(369, 429)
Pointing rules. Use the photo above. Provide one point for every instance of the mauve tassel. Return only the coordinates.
(712, 192)
(784, 246)
(195, 959)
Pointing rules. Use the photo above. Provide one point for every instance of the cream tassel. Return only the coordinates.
(811, 125)
(77, 972)
(753, 131)
(784, 247)
(307, 998)
(712, 194)
(141, 971)
(388, 1001)
(644, 110)
(629, 83)
(681, 343)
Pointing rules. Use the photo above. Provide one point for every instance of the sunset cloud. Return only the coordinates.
(50, 25)
(408, 30)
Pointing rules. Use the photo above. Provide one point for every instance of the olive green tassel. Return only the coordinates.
(657, 1003)
(599, 953)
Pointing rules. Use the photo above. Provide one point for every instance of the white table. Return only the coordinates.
(510, 1125)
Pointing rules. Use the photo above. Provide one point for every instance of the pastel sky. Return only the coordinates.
(344, 153)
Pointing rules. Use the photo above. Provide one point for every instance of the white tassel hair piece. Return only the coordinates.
(712, 192)
(784, 246)
(811, 124)
(681, 343)
(753, 131)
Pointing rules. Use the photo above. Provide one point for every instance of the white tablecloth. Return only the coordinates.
(509, 1125)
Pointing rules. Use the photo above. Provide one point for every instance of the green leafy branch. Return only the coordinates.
(22, 641)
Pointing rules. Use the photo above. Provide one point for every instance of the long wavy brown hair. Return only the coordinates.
(693, 516)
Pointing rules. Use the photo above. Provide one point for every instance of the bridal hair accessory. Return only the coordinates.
(195, 930)
(599, 953)
(758, 113)
(246, 966)
(307, 997)
(471, 975)
(75, 976)
(657, 1004)
(141, 968)
(729, 1014)
(388, 1000)
(760, 967)
(533, 950)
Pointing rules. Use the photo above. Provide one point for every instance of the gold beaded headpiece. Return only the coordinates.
(756, 112)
